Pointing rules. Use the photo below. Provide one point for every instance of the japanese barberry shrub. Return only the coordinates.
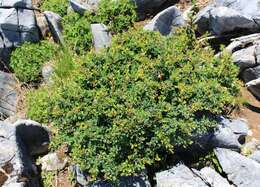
(118, 15)
(130, 106)
(77, 32)
(58, 6)
(28, 59)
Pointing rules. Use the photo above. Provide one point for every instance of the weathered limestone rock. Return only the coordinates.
(240, 170)
(53, 162)
(101, 36)
(55, 26)
(166, 21)
(83, 179)
(82, 6)
(179, 175)
(17, 25)
(18, 143)
(229, 16)
(213, 178)
(228, 134)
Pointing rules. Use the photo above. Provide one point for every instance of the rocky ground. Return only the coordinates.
(236, 141)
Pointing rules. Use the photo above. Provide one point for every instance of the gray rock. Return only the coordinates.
(228, 134)
(17, 25)
(246, 54)
(83, 179)
(16, 164)
(52, 162)
(245, 58)
(179, 175)
(240, 170)
(16, 3)
(229, 16)
(82, 6)
(80, 176)
(213, 178)
(8, 95)
(249, 75)
(47, 72)
(166, 21)
(55, 26)
(255, 156)
(101, 36)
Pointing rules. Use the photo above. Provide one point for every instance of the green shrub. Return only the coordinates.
(132, 105)
(58, 6)
(118, 15)
(77, 32)
(27, 60)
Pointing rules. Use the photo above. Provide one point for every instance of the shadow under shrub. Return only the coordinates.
(132, 105)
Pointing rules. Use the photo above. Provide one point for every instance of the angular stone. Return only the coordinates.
(8, 95)
(81, 6)
(240, 170)
(101, 36)
(55, 26)
(179, 175)
(229, 17)
(245, 58)
(213, 178)
(52, 162)
(166, 21)
(16, 3)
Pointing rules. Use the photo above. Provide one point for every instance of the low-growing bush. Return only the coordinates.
(28, 59)
(118, 15)
(77, 32)
(58, 6)
(130, 106)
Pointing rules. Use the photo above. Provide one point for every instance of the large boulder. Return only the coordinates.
(240, 170)
(229, 17)
(166, 21)
(17, 25)
(8, 95)
(18, 143)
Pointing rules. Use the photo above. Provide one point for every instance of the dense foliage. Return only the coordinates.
(77, 32)
(130, 106)
(118, 15)
(28, 59)
(58, 6)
